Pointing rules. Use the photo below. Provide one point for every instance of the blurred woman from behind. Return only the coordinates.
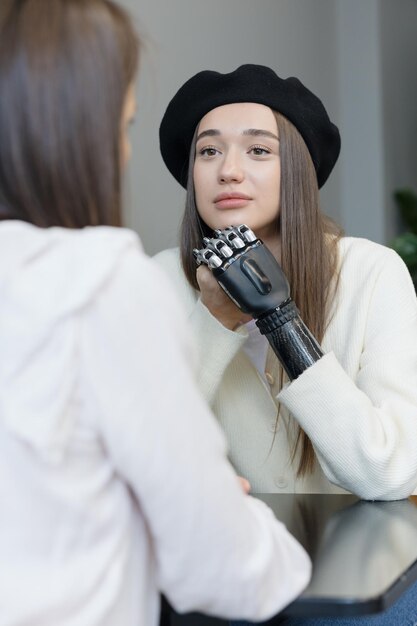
(105, 502)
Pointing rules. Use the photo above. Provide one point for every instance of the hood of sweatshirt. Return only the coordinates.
(47, 277)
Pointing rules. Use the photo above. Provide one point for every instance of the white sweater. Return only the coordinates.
(114, 482)
(358, 404)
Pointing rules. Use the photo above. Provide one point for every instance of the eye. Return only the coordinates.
(259, 150)
(208, 151)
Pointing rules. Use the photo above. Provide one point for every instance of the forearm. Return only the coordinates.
(364, 444)
(216, 348)
(289, 337)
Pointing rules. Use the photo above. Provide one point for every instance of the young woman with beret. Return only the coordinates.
(253, 148)
(104, 502)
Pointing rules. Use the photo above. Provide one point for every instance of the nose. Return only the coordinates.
(231, 170)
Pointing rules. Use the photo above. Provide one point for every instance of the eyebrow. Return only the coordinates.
(212, 132)
(253, 132)
(257, 132)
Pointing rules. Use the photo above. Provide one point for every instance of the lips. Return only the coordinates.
(232, 200)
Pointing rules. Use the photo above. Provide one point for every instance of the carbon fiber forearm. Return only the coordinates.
(290, 339)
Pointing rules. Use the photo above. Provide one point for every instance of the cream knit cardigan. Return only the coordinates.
(358, 404)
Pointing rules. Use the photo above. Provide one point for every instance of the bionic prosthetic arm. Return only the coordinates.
(252, 278)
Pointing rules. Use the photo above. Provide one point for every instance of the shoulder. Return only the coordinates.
(370, 259)
(357, 249)
(117, 256)
(139, 294)
(102, 241)
(68, 268)
(371, 271)
(124, 248)
(96, 251)
(140, 276)
(110, 266)
(170, 262)
(74, 242)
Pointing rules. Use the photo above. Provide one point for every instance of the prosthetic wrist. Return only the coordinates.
(250, 275)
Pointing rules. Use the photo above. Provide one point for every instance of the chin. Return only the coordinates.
(231, 219)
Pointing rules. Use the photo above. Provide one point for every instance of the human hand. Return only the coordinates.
(245, 484)
(218, 303)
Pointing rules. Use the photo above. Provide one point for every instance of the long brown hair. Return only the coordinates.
(65, 69)
(308, 244)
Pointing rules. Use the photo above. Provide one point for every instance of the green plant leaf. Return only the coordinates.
(406, 246)
(407, 203)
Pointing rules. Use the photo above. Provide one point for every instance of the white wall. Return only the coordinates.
(377, 41)
(349, 52)
(360, 120)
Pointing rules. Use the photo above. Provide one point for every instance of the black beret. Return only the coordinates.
(248, 83)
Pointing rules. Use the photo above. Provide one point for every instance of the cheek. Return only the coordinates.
(200, 184)
(272, 187)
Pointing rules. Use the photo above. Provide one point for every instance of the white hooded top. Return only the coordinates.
(114, 483)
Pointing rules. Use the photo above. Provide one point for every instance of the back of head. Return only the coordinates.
(65, 68)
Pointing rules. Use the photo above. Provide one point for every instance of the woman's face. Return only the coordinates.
(128, 117)
(237, 168)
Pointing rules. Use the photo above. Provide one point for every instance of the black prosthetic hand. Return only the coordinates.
(252, 278)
